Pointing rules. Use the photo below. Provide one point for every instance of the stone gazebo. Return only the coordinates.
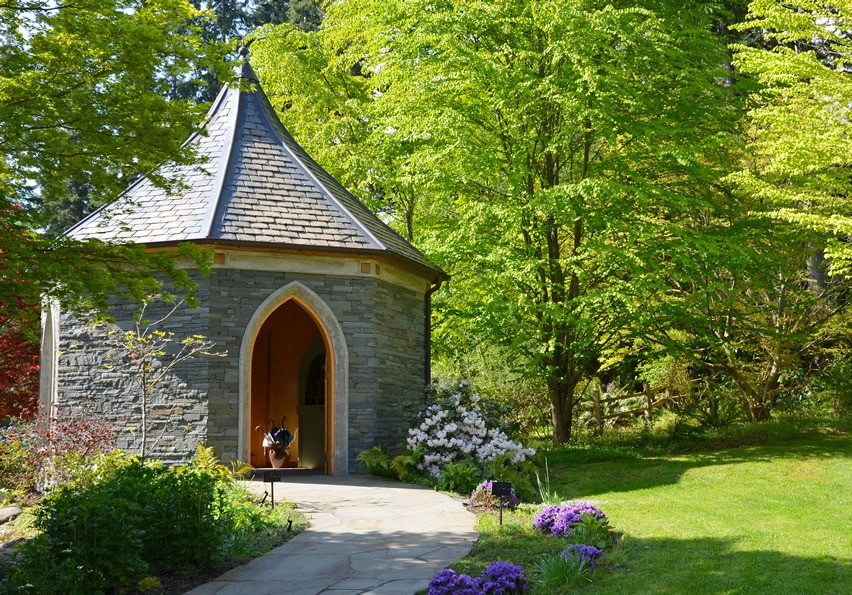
(322, 308)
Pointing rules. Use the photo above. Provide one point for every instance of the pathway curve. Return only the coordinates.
(367, 535)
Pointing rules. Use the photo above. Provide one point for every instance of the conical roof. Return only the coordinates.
(255, 187)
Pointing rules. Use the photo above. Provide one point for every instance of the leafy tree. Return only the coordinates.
(80, 97)
(73, 207)
(304, 14)
(19, 368)
(553, 151)
(82, 102)
(222, 22)
(231, 22)
(747, 313)
(81, 275)
(231, 17)
(325, 97)
(270, 12)
(800, 138)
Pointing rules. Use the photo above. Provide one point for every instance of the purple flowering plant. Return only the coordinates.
(500, 578)
(585, 556)
(503, 577)
(558, 572)
(559, 519)
(483, 498)
(447, 582)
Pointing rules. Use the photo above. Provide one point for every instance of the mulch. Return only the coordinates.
(177, 583)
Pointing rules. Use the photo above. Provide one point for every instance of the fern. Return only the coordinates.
(206, 460)
(405, 464)
(376, 461)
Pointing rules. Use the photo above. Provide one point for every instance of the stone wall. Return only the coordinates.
(383, 325)
(98, 376)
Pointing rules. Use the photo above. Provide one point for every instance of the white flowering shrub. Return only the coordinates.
(455, 426)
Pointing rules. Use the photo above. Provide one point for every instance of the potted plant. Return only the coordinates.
(276, 444)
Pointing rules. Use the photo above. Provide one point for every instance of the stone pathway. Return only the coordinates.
(367, 535)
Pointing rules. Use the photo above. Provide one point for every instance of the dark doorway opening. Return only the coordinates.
(288, 387)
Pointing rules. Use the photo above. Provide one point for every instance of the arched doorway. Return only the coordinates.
(288, 386)
(294, 362)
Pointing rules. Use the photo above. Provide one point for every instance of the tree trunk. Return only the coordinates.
(562, 367)
(144, 446)
(759, 410)
(759, 390)
(561, 393)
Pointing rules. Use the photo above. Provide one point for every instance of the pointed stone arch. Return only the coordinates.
(337, 417)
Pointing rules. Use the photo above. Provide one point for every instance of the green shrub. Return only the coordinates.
(17, 459)
(35, 455)
(718, 407)
(834, 385)
(90, 540)
(667, 425)
(405, 465)
(556, 573)
(185, 503)
(590, 530)
(249, 530)
(150, 583)
(125, 518)
(461, 477)
(377, 462)
(518, 474)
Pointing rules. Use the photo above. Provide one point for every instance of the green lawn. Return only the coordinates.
(761, 519)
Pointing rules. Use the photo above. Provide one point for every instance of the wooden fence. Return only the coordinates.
(650, 399)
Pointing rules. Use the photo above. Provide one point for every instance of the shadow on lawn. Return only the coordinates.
(584, 472)
(711, 565)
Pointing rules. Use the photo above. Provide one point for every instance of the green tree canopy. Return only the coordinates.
(554, 152)
(801, 145)
(83, 99)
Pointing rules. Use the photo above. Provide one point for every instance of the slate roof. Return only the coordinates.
(255, 187)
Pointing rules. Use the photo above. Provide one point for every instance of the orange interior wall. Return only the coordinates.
(259, 376)
(276, 359)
